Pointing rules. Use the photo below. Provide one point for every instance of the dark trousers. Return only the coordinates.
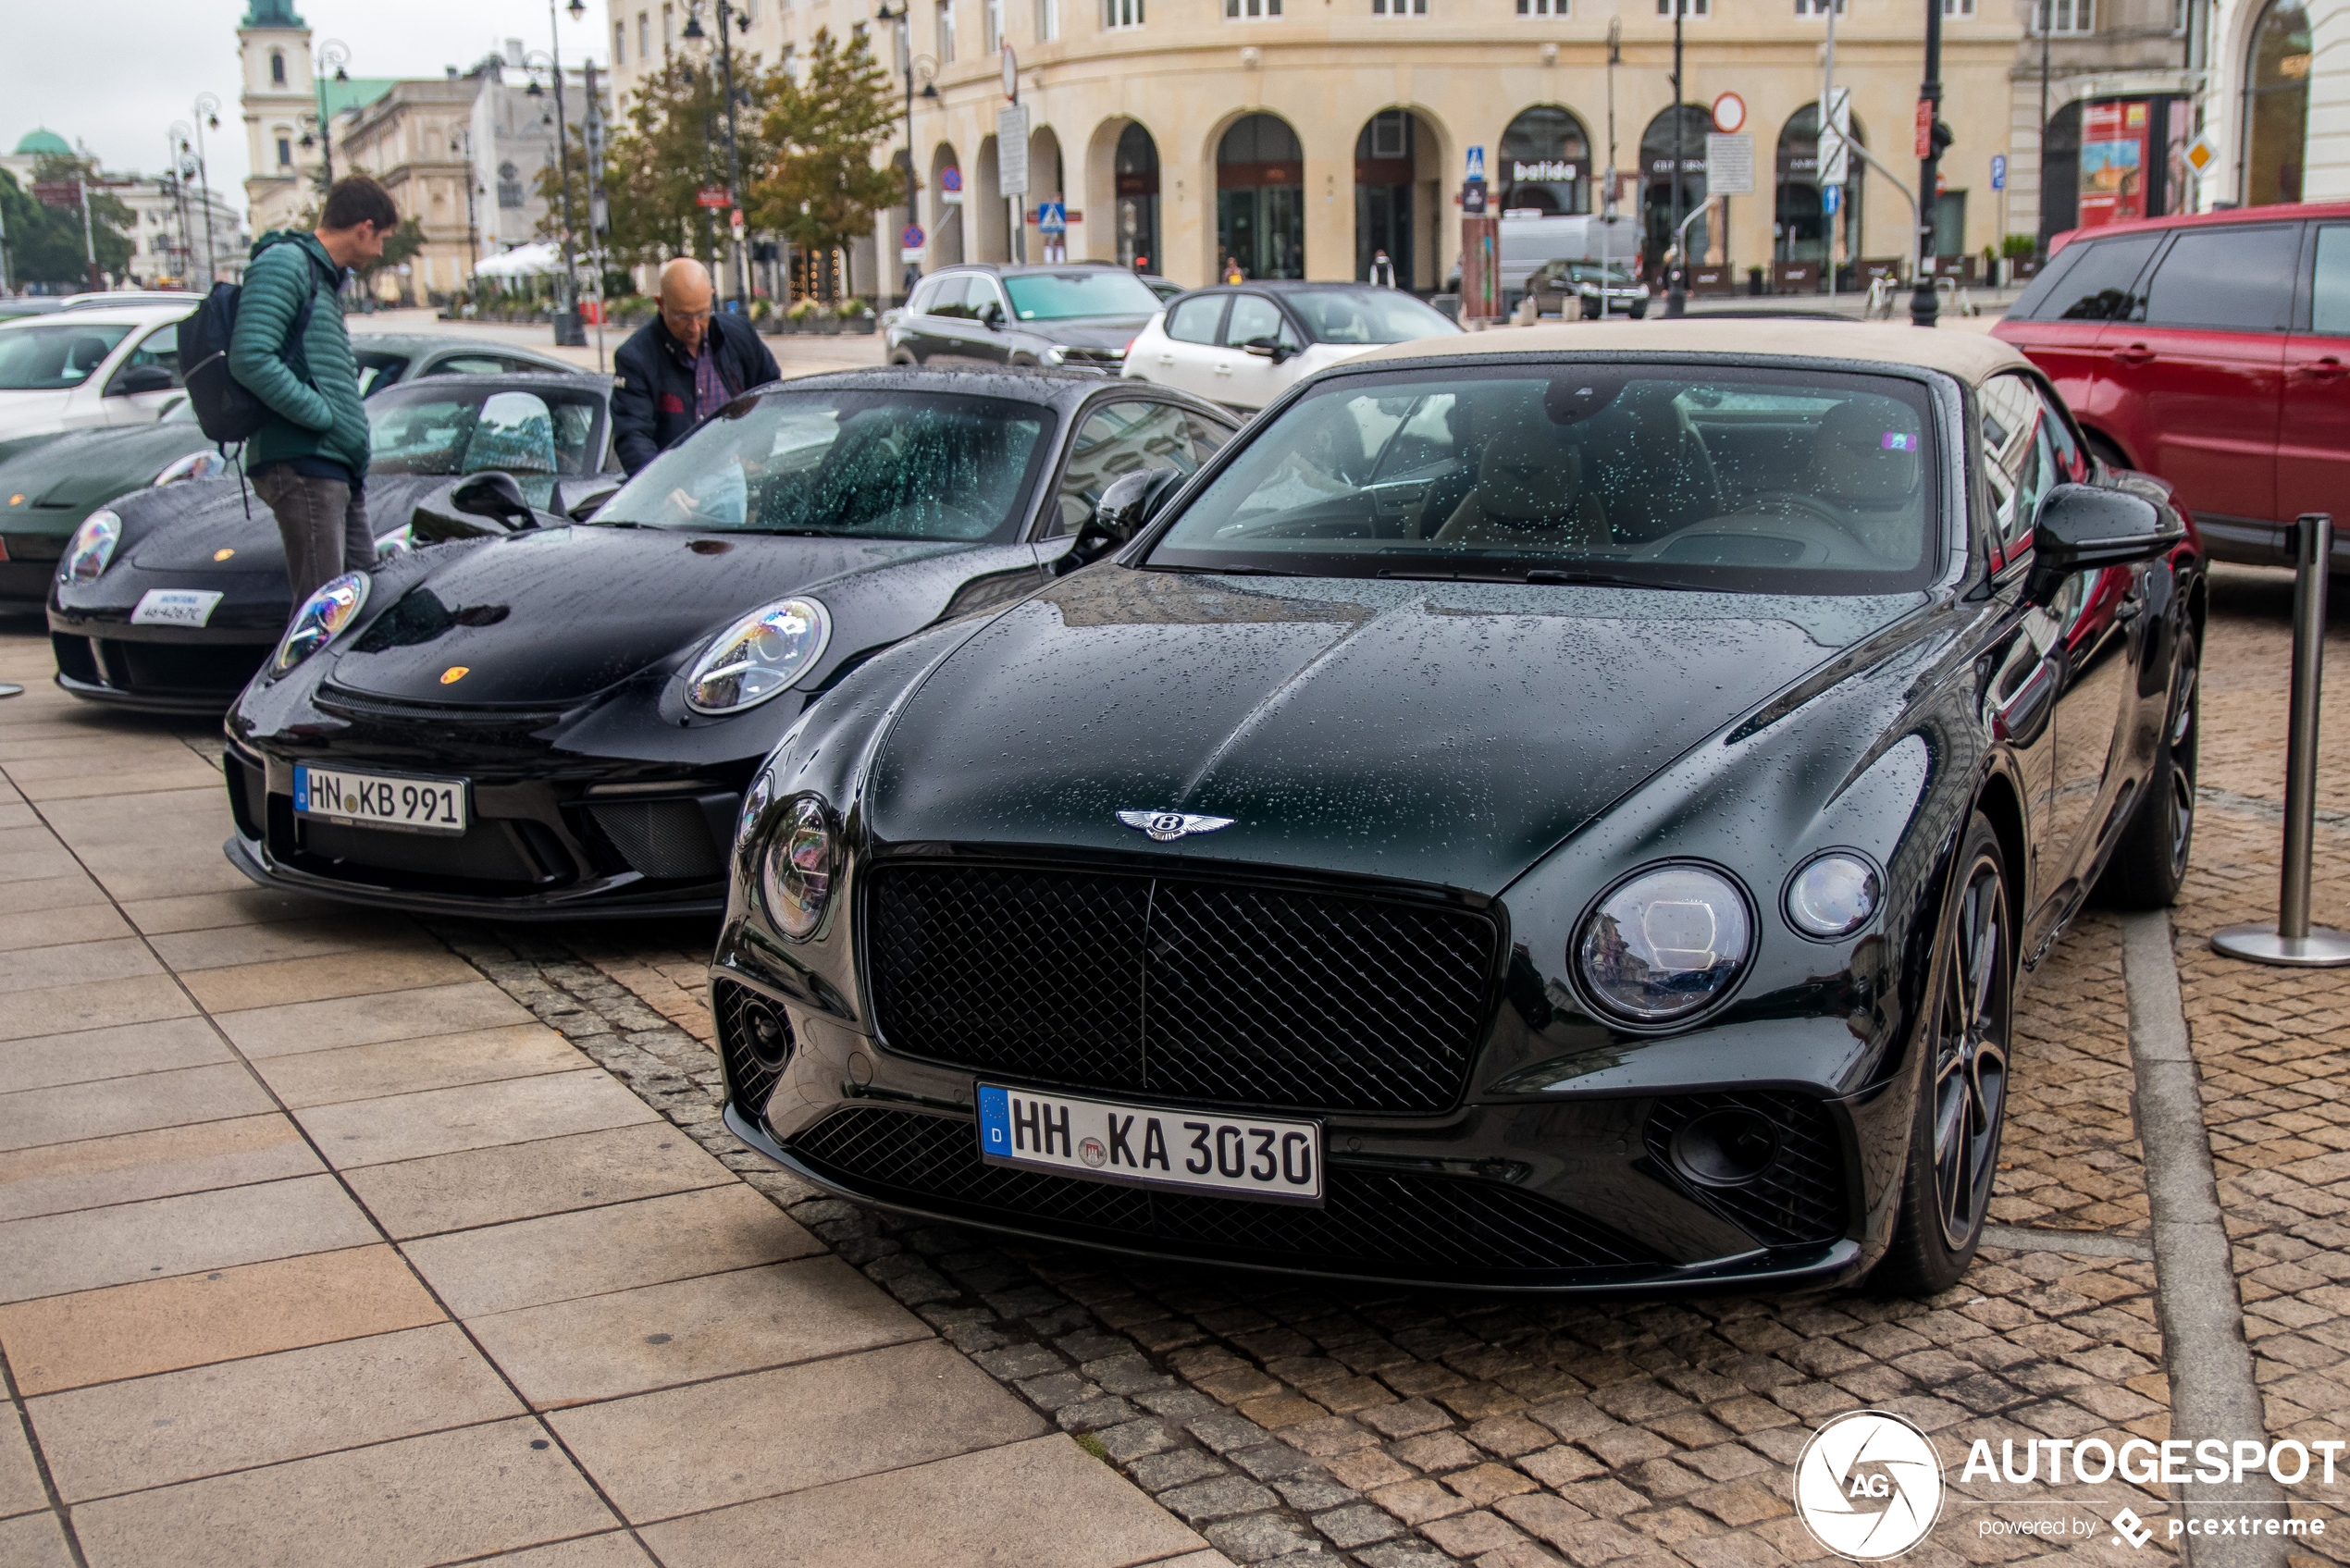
(323, 523)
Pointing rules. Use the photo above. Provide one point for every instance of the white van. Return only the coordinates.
(1529, 240)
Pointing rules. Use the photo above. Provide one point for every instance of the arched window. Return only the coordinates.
(1260, 198)
(2276, 97)
(277, 67)
(1659, 211)
(1545, 162)
(1136, 172)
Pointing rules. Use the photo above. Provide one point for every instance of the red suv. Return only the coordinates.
(2214, 350)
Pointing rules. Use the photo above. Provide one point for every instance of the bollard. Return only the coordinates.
(2293, 941)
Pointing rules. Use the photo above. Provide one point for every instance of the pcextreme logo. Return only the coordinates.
(1868, 1486)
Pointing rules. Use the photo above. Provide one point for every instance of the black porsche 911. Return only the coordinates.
(169, 598)
(1559, 812)
(560, 721)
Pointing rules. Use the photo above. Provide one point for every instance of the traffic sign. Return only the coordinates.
(913, 239)
(1011, 74)
(1476, 164)
(1052, 218)
(1924, 127)
(1836, 154)
(712, 196)
(1831, 198)
(2200, 154)
(1999, 171)
(950, 186)
(1012, 148)
(1729, 113)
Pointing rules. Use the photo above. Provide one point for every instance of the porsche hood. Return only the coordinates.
(1440, 732)
(554, 615)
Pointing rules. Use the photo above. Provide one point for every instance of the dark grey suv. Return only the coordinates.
(987, 315)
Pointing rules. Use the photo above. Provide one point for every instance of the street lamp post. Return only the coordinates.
(1607, 197)
(727, 21)
(207, 115)
(175, 152)
(1932, 136)
(911, 65)
(1676, 292)
(462, 143)
(337, 55)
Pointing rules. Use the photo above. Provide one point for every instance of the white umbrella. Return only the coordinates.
(538, 260)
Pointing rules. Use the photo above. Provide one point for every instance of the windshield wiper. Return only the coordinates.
(1539, 576)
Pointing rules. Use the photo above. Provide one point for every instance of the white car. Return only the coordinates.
(1244, 344)
(82, 370)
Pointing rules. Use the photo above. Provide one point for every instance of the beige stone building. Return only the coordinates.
(1302, 134)
(414, 141)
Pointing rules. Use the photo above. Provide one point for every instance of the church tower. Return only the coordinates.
(280, 111)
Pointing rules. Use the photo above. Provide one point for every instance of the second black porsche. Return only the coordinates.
(561, 721)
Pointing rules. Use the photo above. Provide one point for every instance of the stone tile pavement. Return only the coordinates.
(316, 1247)
(508, 1281)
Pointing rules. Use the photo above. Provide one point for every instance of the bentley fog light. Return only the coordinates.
(1662, 944)
(320, 620)
(795, 874)
(91, 548)
(1831, 897)
(758, 657)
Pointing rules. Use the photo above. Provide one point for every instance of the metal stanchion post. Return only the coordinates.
(2293, 941)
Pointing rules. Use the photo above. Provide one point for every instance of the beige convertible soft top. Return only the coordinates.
(1970, 356)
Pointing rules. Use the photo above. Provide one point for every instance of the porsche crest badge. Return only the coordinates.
(454, 674)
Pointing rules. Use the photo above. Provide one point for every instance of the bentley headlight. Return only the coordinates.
(1666, 943)
(796, 873)
(320, 620)
(758, 656)
(195, 466)
(1831, 897)
(91, 548)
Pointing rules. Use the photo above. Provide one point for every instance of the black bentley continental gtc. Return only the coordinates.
(1565, 810)
(562, 720)
(169, 598)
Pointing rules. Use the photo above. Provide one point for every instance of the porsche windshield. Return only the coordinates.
(864, 464)
(1732, 479)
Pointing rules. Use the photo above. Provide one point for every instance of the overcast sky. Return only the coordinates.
(115, 76)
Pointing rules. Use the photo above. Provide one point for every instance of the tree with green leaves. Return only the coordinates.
(45, 243)
(669, 145)
(822, 188)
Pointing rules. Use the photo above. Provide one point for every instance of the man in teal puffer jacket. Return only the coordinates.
(309, 460)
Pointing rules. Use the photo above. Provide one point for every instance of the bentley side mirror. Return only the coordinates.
(1267, 348)
(2087, 528)
(496, 496)
(1126, 506)
(581, 498)
(142, 379)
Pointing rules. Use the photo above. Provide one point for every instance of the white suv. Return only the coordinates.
(77, 369)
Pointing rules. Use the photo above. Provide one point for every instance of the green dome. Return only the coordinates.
(44, 144)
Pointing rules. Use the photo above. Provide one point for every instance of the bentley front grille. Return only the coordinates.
(1797, 1193)
(1394, 1224)
(1190, 987)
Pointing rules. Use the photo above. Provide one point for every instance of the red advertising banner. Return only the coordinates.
(2113, 162)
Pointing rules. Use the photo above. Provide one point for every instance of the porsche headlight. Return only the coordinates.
(1831, 897)
(1664, 944)
(758, 656)
(399, 541)
(320, 620)
(91, 548)
(796, 870)
(195, 466)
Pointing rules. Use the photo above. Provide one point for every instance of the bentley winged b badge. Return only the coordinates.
(1167, 826)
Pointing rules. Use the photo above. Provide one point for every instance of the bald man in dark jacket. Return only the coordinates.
(682, 367)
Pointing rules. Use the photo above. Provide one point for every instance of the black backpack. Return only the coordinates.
(225, 409)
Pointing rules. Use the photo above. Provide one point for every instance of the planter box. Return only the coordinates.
(1795, 278)
(864, 324)
(2022, 268)
(1712, 280)
(828, 326)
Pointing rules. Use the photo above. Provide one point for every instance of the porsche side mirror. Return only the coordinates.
(580, 498)
(496, 496)
(142, 378)
(2087, 528)
(1267, 348)
(1126, 506)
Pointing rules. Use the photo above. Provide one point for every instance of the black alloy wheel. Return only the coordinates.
(2149, 863)
(1963, 1101)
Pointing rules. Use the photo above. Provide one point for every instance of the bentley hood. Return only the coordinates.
(554, 615)
(1441, 731)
